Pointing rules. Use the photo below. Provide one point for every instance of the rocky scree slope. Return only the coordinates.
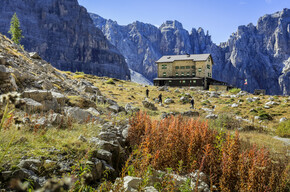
(43, 100)
(42, 89)
(258, 53)
(62, 32)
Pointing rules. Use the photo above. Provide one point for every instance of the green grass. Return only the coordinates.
(283, 129)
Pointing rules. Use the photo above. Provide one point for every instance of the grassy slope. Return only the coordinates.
(39, 143)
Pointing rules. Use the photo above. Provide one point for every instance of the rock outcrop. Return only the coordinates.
(62, 32)
(259, 53)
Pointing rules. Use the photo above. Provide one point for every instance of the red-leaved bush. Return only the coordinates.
(166, 143)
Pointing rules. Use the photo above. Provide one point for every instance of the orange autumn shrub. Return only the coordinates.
(186, 145)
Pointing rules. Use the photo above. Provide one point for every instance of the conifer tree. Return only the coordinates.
(15, 30)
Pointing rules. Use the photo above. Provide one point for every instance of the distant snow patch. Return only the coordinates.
(139, 78)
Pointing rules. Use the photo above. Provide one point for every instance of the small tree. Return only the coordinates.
(15, 30)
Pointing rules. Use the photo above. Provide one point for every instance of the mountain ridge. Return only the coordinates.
(258, 53)
(62, 32)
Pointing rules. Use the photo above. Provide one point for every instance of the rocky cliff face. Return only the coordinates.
(259, 53)
(62, 32)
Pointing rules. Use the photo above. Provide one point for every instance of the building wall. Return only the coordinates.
(162, 69)
(185, 67)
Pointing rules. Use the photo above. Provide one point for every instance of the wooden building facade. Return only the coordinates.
(185, 70)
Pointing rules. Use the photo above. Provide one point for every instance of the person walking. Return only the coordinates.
(192, 103)
(147, 92)
(160, 98)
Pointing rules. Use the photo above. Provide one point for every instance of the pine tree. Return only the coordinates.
(15, 30)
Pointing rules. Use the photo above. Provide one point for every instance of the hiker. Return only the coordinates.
(160, 98)
(147, 92)
(192, 103)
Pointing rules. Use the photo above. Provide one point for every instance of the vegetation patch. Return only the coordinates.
(283, 129)
(235, 90)
(191, 143)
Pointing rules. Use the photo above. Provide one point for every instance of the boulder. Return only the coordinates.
(149, 105)
(105, 155)
(235, 105)
(211, 116)
(93, 111)
(55, 118)
(168, 101)
(214, 94)
(164, 88)
(271, 103)
(37, 95)
(190, 113)
(283, 119)
(129, 108)
(114, 108)
(34, 55)
(30, 164)
(184, 99)
(78, 114)
(61, 99)
(131, 183)
(31, 106)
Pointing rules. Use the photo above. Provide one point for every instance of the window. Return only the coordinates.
(208, 59)
(187, 67)
(176, 67)
(208, 66)
(170, 81)
(193, 66)
(209, 74)
(183, 81)
(176, 74)
(182, 73)
(194, 81)
(193, 74)
(199, 69)
(164, 66)
(164, 74)
(187, 74)
(182, 67)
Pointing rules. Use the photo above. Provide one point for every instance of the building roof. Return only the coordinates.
(193, 57)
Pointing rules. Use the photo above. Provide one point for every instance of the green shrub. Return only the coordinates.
(110, 81)
(234, 90)
(283, 129)
(265, 116)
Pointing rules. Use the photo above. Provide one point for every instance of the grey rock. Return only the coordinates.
(55, 118)
(105, 155)
(184, 99)
(34, 55)
(78, 114)
(164, 88)
(283, 119)
(93, 111)
(114, 108)
(129, 108)
(131, 183)
(211, 116)
(214, 94)
(168, 101)
(149, 105)
(54, 26)
(190, 113)
(31, 106)
(107, 136)
(235, 105)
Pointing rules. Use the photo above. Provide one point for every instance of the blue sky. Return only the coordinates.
(220, 17)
